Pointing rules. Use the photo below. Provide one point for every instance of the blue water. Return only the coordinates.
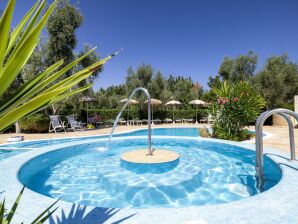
(207, 173)
(4, 154)
(7, 150)
(190, 132)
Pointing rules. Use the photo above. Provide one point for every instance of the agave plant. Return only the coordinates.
(16, 47)
(6, 217)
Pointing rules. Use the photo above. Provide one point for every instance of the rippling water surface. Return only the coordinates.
(207, 173)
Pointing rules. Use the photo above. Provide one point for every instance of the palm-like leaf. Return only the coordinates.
(7, 219)
(16, 48)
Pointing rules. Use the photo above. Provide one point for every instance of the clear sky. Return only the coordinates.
(183, 37)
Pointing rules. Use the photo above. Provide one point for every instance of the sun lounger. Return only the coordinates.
(178, 121)
(204, 120)
(144, 121)
(121, 121)
(96, 120)
(137, 121)
(74, 124)
(157, 121)
(56, 124)
(187, 120)
(210, 119)
(168, 120)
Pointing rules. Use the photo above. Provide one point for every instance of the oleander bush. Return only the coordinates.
(237, 105)
(36, 123)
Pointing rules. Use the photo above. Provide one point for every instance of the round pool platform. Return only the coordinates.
(141, 156)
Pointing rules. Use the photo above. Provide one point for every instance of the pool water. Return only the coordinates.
(208, 173)
(4, 154)
(190, 132)
(8, 150)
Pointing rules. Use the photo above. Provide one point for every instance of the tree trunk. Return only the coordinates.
(17, 126)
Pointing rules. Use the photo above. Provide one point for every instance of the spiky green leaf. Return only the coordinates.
(5, 22)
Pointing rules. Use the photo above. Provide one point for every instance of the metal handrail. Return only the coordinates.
(259, 140)
(149, 116)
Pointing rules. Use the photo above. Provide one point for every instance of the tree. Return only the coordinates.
(139, 78)
(160, 87)
(61, 27)
(277, 81)
(86, 62)
(241, 68)
(37, 62)
(15, 49)
(183, 89)
(157, 86)
(110, 97)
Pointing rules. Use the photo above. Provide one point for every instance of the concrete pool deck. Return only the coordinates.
(277, 205)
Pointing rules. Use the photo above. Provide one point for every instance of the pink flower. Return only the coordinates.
(219, 100)
(226, 100)
(235, 99)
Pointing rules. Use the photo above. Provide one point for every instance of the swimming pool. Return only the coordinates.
(208, 172)
(4, 154)
(8, 150)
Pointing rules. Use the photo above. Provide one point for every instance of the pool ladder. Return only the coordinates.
(286, 114)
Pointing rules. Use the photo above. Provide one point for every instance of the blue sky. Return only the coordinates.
(183, 37)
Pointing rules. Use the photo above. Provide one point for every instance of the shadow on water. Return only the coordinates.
(249, 182)
(79, 215)
(284, 164)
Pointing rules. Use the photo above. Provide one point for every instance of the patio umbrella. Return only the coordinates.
(131, 101)
(153, 102)
(88, 99)
(173, 103)
(197, 102)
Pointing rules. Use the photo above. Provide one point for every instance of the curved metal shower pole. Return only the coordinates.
(259, 140)
(149, 116)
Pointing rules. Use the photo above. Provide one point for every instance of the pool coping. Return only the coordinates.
(277, 205)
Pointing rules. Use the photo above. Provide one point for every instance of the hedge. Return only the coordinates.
(141, 113)
(40, 122)
(35, 123)
(108, 114)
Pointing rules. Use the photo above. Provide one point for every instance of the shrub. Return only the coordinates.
(108, 114)
(187, 114)
(35, 123)
(237, 105)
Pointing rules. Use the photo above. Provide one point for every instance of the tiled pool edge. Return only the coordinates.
(276, 205)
